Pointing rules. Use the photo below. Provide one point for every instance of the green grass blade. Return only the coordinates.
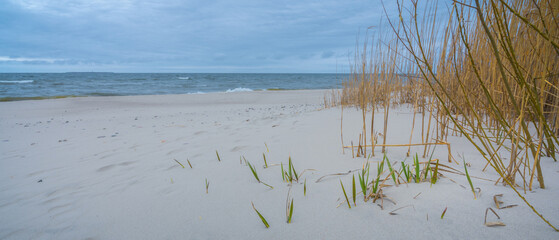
(363, 185)
(375, 185)
(346, 199)
(290, 174)
(207, 185)
(295, 174)
(435, 173)
(305, 188)
(417, 172)
(368, 168)
(265, 163)
(253, 171)
(427, 169)
(282, 173)
(178, 162)
(469, 179)
(444, 212)
(218, 158)
(267, 185)
(290, 212)
(353, 190)
(391, 171)
(261, 217)
(380, 169)
(406, 172)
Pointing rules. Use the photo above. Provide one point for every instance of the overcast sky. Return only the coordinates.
(182, 35)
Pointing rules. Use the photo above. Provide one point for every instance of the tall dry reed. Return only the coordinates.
(489, 72)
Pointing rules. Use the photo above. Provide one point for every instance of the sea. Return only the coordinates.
(20, 86)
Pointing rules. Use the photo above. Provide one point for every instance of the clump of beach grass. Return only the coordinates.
(290, 174)
(364, 180)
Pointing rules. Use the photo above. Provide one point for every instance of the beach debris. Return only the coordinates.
(417, 195)
(188, 161)
(493, 224)
(444, 212)
(393, 212)
(498, 202)
(336, 174)
(40, 180)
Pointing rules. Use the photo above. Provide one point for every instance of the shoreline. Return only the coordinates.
(15, 99)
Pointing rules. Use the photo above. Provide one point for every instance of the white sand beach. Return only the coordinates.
(104, 168)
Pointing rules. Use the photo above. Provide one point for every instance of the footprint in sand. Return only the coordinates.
(105, 168)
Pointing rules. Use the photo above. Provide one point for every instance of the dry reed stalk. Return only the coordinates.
(450, 158)
(493, 79)
(502, 106)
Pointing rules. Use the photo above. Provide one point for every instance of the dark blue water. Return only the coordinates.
(26, 85)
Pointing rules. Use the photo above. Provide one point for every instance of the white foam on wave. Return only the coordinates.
(239, 89)
(199, 92)
(18, 81)
(184, 78)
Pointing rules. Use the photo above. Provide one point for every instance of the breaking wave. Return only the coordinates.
(239, 89)
(17, 81)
